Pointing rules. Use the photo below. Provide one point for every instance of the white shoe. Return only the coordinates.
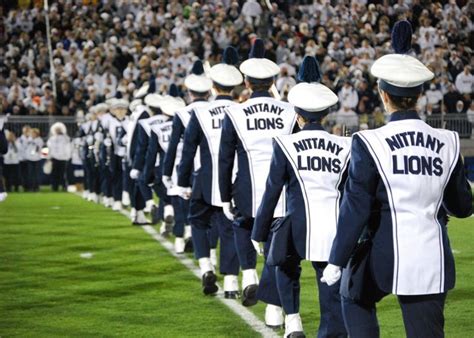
(179, 245)
(94, 198)
(293, 324)
(140, 219)
(133, 214)
(117, 206)
(3, 196)
(187, 232)
(249, 277)
(85, 194)
(168, 213)
(107, 202)
(274, 316)
(148, 205)
(205, 265)
(214, 257)
(125, 198)
(231, 283)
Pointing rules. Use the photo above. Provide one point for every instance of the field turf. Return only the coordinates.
(132, 287)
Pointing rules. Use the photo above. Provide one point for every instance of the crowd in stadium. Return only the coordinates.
(104, 49)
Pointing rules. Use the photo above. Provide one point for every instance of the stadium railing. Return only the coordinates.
(43, 123)
(457, 122)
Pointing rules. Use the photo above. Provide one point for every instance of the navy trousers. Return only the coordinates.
(116, 179)
(203, 219)
(25, 181)
(180, 212)
(246, 252)
(105, 181)
(267, 290)
(423, 316)
(288, 280)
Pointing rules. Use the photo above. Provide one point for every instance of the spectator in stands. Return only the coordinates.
(348, 97)
(451, 98)
(59, 151)
(465, 81)
(433, 98)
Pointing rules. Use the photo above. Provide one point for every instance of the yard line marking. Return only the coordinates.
(245, 314)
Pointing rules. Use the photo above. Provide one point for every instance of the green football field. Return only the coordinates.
(128, 285)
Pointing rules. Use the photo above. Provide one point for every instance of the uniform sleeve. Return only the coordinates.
(142, 145)
(457, 198)
(356, 206)
(150, 158)
(277, 178)
(3, 143)
(227, 150)
(192, 139)
(176, 133)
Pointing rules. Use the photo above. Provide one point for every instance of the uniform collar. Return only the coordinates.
(199, 99)
(404, 115)
(223, 97)
(260, 94)
(313, 126)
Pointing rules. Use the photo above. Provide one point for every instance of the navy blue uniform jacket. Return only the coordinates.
(365, 203)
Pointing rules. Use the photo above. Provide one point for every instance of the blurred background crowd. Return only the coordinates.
(102, 49)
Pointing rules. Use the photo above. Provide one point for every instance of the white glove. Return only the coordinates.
(134, 173)
(3, 196)
(167, 181)
(258, 247)
(185, 192)
(331, 274)
(227, 210)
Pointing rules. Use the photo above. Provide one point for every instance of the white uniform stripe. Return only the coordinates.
(393, 213)
(304, 193)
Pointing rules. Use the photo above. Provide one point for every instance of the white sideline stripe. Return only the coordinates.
(245, 314)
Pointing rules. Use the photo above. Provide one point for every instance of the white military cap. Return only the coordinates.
(197, 81)
(311, 98)
(101, 107)
(153, 100)
(141, 92)
(257, 67)
(110, 102)
(169, 105)
(119, 104)
(134, 104)
(400, 74)
(226, 73)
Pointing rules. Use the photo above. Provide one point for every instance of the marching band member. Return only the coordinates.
(404, 179)
(104, 146)
(198, 85)
(152, 101)
(204, 131)
(117, 126)
(137, 199)
(247, 130)
(311, 165)
(159, 142)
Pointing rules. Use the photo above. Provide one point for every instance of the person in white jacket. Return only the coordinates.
(11, 163)
(33, 158)
(59, 152)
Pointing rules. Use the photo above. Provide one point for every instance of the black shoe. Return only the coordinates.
(275, 327)
(188, 246)
(231, 294)
(249, 295)
(155, 215)
(297, 334)
(209, 283)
